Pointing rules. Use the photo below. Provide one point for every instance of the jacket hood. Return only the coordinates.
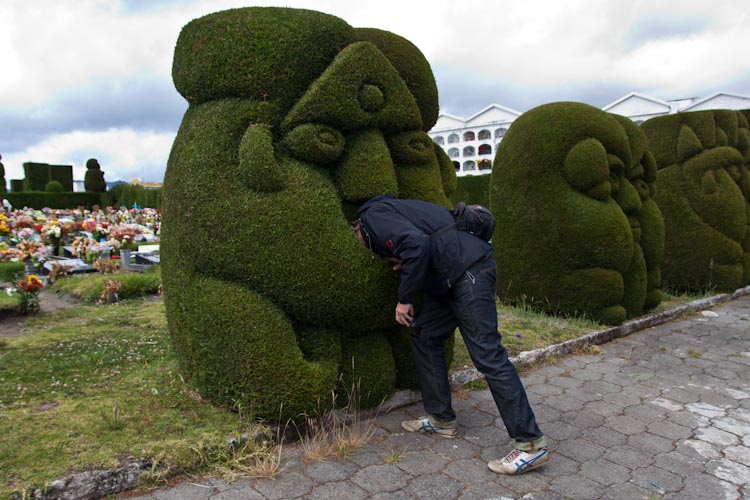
(369, 203)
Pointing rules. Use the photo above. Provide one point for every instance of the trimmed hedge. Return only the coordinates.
(36, 176)
(62, 174)
(563, 196)
(699, 193)
(53, 200)
(295, 119)
(473, 189)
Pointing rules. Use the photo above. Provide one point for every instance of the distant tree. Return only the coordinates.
(94, 179)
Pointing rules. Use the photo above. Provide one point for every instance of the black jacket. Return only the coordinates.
(402, 229)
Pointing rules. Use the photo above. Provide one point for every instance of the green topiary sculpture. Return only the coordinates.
(571, 190)
(743, 145)
(3, 186)
(53, 187)
(295, 118)
(93, 181)
(699, 193)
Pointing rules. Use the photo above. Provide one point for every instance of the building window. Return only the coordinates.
(469, 165)
(485, 149)
(484, 164)
(457, 166)
(468, 135)
(469, 151)
(452, 138)
(453, 153)
(484, 135)
(500, 132)
(439, 140)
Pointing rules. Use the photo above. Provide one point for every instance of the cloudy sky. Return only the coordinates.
(84, 79)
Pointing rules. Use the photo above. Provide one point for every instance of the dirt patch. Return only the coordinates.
(12, 325)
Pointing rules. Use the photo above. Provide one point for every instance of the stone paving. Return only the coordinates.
(661, 414)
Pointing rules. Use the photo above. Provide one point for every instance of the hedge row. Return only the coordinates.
(704, 193)
(53, 200)
(294, 119)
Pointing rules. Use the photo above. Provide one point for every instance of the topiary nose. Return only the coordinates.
(365, 169)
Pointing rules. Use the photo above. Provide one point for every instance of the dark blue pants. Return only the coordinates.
(470, 306)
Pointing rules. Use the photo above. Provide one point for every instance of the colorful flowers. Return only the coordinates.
(28, 294)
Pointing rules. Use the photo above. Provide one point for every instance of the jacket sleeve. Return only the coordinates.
(408, 244)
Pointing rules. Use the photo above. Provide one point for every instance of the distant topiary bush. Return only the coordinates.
(702, 190)
(294, 119)
(36, 176)
(53, 187)
(570, 190)
(94, 181)
(3, 186)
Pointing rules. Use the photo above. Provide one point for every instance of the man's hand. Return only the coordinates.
(404, 314)
(397, 262)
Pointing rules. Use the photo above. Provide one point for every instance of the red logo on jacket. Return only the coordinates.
(389, 244)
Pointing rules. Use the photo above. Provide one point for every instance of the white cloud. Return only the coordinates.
(542, 48)
(122, 154)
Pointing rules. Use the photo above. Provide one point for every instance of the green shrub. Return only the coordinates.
(9, 270)
(36, 176)
(473, 189)
(52, 200)
(16, 185)
(562, 191)
(53, 187)
(62, 174)
(89, 287)
(93, 180)
(698, 191)
(295, 119)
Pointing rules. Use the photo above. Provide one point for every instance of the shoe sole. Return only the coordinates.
(535, 465)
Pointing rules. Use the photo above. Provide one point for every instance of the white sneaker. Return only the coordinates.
(426, 425)
(519, 461)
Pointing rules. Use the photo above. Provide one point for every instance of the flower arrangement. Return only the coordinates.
(28, 294)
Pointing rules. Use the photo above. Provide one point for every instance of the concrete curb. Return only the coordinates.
(100, 483)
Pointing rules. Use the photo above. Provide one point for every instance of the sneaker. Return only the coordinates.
(519, 461)
(426, 425)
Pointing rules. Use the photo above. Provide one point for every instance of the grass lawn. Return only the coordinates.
(92, 386)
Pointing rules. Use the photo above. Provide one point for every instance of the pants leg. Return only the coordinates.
(473, 305)
(432, 327)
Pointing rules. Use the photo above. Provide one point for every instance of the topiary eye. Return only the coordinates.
(411, 148)
(586, 170)
(314, 143)
(371, 98)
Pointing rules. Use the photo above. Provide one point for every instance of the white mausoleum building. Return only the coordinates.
(471, 143)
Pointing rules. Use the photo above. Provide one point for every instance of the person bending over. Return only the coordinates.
(457, 272)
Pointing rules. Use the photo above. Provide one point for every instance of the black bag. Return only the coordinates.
(474, 219)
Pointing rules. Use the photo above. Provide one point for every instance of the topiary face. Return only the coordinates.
(295, 119)
(699, 192)
(569, 215)
(646, 223)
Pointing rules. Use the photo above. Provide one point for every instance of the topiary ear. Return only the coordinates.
(258, 168)
(688, 144)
